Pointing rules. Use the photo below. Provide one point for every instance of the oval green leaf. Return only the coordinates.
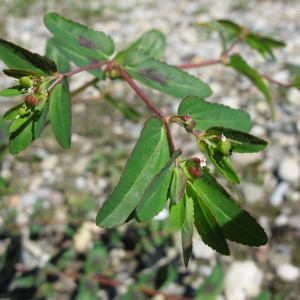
(163, 77)
(60, 113)
(94, 45)
(149, 156)
(208, 114)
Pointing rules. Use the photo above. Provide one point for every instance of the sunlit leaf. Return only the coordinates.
(208, 114)
(60, 113)
(206, 223)
(165, 78)
(177, 188)
(155, 197)
(149, 156)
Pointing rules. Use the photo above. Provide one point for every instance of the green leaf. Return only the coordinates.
(156, 195)
(178, 184)
(265, 295)
(213, 284)
(12, 91)
(41, 119)
(153, 42)
(165, 275)
(18, 122)
(162, 77)
(18, 73)
(263, 44)
(88, 289)
(22, 137)
(187, 229)
(206, 224)
(62, 62)
(78, 58)
(221, 161)
(242, 142)
(228, 31)
(96, 260)
(83, 45)
(60, 113)
(240, 65)
(16, 57)
(12, 113)
(208, 114)
(236, 224)
(133, 292)
(178, 214)
(149, 156)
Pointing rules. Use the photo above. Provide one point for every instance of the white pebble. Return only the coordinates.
(278, 194)
(243, 280)
(288, 272)
(289, 170)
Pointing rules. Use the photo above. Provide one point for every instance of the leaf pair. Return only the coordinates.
(217, 217)
(143, 187)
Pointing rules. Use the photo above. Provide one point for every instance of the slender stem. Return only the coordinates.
(89, 67)
(200, 64)
(270, 79)
(142, 95)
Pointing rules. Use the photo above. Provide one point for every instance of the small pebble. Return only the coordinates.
(278, 194)
(288, 272)
(289, 170)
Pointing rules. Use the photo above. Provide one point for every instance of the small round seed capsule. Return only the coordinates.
(25, 81)
(224, 147)
(31, 101)
(22, 111)
(196, 172)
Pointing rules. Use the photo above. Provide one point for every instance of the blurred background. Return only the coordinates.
(50, 247)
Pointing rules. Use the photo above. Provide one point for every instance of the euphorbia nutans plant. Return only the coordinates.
(156, 175)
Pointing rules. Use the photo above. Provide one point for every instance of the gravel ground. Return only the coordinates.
(270, 180)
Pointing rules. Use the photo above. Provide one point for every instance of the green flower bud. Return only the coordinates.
(25, 81)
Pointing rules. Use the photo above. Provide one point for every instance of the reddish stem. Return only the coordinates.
(200, 64)
(142, 95)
